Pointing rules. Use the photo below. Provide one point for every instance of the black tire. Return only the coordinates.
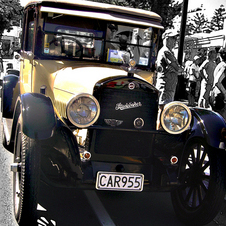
(200, 196)
(26, 178)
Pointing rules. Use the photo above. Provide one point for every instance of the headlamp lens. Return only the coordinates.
(83, 110)
(176, 117)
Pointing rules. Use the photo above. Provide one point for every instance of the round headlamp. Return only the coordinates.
(175, 117)
(83, 110)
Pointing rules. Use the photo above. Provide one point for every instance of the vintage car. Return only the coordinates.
(83, 112)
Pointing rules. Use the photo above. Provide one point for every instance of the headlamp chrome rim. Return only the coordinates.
(76, 98)
(174, 105)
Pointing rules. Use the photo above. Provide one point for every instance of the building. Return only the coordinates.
(10, 42)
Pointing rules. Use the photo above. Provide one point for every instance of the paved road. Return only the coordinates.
(6, 216)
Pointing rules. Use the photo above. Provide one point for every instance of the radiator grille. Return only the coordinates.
(146, 107)
(123, 143)
(132, 142)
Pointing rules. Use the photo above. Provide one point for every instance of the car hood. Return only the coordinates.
(83, 79)
(71, 81)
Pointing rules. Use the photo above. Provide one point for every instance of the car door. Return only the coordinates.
(27, 52)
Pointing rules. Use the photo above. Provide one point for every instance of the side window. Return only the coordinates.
(24, 31)
(29, 30)
(30, 36)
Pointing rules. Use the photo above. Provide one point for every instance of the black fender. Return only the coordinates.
(10, 92)
(208, 125)
(61, 150)
(38, 116)
(57, 141)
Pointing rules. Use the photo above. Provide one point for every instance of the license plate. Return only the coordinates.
(119, 181)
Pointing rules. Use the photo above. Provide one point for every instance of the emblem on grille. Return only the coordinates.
(120, 106)
(113, 122)
(131, 85)
(138, 123)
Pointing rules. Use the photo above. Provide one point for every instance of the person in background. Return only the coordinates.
(218, 95)
(146, 42)
(168, 70)
(207, 74)
(187, 65)
(193, 77)
(219, 58)
(202, 53)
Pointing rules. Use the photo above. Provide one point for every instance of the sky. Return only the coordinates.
(208, 5)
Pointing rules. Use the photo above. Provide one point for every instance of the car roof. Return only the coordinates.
(106, 8)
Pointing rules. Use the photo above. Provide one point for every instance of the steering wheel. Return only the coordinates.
(62, 39)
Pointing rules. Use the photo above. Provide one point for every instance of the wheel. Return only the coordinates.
(201, 193)
(26, 177)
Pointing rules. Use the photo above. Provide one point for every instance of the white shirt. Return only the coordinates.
(218, 77)
(196, 68)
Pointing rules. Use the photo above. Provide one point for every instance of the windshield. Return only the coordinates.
(98, 40)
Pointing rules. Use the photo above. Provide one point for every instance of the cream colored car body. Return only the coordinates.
(64, 79)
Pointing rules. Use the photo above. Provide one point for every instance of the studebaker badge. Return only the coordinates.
(130, 105)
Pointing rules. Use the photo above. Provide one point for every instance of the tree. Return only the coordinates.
(10, 14)
(167, 9)
(197, 24)
(217, 21)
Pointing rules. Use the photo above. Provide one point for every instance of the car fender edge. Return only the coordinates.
(38, 116)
